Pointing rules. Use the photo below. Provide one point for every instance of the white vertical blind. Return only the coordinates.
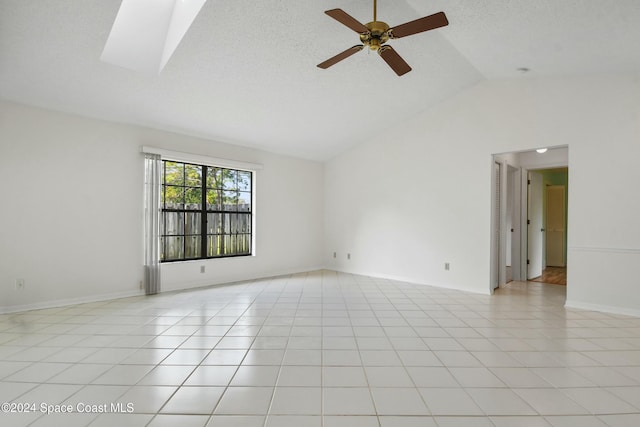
(152, 178)
(497, 168)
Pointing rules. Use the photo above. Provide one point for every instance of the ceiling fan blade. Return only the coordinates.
(394, 60)
(345, 19)
(427, 23)
(339, 57)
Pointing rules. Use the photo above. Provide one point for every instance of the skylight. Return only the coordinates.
(147, 32)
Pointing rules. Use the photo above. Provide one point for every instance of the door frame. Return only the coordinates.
(525, 210)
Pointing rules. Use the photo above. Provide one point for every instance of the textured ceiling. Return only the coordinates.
(245, 72)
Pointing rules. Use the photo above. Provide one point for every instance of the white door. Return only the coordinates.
(497, 173)
(555, 229)
(534, 227)
(513, 223)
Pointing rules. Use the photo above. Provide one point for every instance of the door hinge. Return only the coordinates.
(528, 182)
(528, 221)
(528, 262)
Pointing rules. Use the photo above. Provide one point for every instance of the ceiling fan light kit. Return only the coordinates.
(376, 33)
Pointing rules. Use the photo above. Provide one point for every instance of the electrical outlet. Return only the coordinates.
(202, 269)
(349, 256)
(446, 266)
(141, 285)
(19, 284)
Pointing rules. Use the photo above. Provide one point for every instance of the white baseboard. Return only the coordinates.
(222, 281)
(409, 280)
(183, 286)
(118, 295)
(602, 308)
(69, 301)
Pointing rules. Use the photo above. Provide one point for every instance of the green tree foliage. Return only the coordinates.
(224, 187)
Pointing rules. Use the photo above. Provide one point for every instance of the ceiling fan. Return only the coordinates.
(376, 33)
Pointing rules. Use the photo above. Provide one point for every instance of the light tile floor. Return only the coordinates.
(323, 349)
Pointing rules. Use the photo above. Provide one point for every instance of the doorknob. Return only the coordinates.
(542, 229)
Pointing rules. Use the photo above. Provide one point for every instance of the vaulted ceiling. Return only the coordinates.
(245, 73)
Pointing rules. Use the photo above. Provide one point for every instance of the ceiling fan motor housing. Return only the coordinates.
(378, 35)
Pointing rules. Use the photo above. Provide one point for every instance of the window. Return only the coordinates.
(206, 212)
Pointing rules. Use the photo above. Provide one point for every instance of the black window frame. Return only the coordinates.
(233, 236)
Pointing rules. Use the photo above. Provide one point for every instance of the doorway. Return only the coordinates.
(553, 230)
(529, 217)
(555, 243)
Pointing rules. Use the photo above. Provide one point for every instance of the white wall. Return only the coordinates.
(71, 215)
(402, 204)
(419, 195)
